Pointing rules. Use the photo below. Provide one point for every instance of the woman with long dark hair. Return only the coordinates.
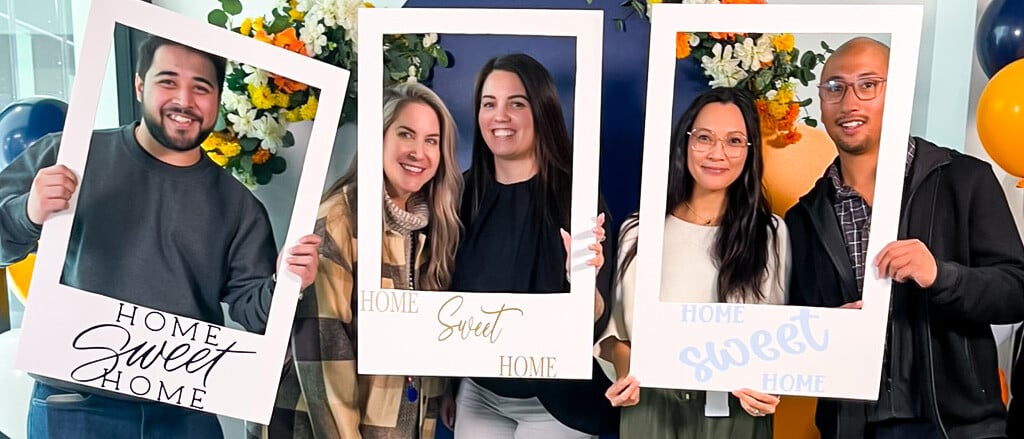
(515, 210)
(721, 244)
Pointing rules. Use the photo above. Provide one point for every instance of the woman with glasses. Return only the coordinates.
(722, 244)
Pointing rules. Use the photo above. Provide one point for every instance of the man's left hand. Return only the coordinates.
(908, 260)
(303, 257)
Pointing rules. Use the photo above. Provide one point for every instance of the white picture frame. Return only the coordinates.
(840, 350)
(527, 335)
(239, 386)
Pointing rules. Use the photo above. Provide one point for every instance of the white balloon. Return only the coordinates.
(17, 388)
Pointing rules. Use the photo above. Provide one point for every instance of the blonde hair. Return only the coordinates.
(443, 192)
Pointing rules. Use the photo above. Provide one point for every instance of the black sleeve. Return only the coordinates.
(991, 289)
(606, 275)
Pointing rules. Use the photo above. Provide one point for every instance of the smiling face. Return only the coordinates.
(179, 98)
(855, 125)
(505, 117)
(713, 170)
(411, 150)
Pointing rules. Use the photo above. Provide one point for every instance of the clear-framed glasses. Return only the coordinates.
(733, 144)
(866, 89)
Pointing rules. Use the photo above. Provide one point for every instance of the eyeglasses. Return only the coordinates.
(703, 140)
(866, 89)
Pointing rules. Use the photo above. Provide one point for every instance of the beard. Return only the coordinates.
(154, 123)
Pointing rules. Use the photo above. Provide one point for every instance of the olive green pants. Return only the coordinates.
(679, 414)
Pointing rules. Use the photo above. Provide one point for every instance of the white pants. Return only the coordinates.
(481, 414)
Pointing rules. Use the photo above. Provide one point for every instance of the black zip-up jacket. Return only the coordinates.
(954, 205)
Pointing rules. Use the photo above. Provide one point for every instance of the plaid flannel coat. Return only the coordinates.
(320, 395)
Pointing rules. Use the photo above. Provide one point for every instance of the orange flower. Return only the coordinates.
(682, 45)
(288, 40)
(262, 36)
(260, 156)
(791, 137)
(731, 36)
(287, 86)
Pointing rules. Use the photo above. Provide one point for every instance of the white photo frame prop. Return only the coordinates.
(775, 349)
(441, 333)
(233, 384)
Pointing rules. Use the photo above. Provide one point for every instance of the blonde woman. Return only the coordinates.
(320, 395)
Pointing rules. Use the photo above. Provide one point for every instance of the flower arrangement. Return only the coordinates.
(766, 64)
(257, 105)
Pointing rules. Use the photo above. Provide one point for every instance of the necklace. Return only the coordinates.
(707, 222)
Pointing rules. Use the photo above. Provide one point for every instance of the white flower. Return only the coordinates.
(235, 102)
(303, 5)
(242, 122)
(723, 68)
(348, 14)
(270, 131)
(412, 74)
(429, 40)
(314, 38)
(326, 10)
(694, 39)
(752, 55)
(255, 76)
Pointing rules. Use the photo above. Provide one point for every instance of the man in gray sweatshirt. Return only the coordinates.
(158, 224)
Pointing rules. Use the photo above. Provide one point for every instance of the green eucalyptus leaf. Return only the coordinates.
(276, 165)
(218, 18)
(289, 139)
(809, 121)
(232, 7)
(805, 102)
(249, 143)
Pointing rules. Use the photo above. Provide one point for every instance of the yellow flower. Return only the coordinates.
(257, 24)
(261, 97)
(294, 115)
(230, 149)
(279, 99)
(210, 143)
(783, 42)
(293, 11)
(218, 158)
(246, 27)
(308, 110)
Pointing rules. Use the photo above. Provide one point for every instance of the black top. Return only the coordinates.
(508, 247)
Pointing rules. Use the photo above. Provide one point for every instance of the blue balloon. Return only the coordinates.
(1000, 35)
(26, 120)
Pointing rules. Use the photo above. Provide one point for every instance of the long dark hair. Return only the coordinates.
(553, 147)
(740, 251)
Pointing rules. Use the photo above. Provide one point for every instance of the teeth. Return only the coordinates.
(852, 124)
(503, 133)
(179, 118)
(411, 168)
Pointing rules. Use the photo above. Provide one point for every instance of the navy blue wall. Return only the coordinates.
(623, 92)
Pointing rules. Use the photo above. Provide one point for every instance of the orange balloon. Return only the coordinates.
(790, 171)
(1001, 118)
(19, 276)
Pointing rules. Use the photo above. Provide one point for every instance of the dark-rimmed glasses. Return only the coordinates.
(866, 89)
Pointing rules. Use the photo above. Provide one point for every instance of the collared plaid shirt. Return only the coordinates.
(854, 215)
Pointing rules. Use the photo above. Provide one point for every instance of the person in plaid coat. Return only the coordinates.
(321, 396)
